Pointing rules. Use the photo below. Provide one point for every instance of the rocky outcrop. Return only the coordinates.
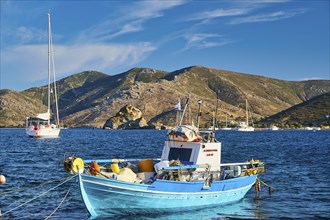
(128, 117)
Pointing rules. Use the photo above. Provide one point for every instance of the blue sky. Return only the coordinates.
(280, 39)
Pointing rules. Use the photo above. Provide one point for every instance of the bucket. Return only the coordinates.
(146, 165)
(115, 168)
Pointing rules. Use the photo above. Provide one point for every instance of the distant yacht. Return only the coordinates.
(226, 128)
(211, 128)
(244, 126)
(40, 125)
(274, 128)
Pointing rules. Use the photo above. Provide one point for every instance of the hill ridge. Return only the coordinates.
(90, 98)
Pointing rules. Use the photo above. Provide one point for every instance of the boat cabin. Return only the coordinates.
(192, 147)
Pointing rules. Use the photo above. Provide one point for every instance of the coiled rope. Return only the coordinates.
(42, 194)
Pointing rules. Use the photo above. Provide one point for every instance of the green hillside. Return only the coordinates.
(314, 112)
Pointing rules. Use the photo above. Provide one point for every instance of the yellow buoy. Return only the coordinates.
(115, 168)
(77, 164)
(2, 179)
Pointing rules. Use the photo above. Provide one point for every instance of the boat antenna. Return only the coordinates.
(199, 112)
(184, 110)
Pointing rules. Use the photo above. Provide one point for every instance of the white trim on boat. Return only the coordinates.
(159, 192)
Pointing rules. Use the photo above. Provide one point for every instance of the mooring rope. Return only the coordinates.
(41, 184)
(58, 205)
(266, 184)
(42, 194)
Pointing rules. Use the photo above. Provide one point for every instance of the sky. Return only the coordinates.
(282, 39)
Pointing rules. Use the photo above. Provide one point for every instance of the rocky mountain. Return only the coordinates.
(91, 98)
(313, 112)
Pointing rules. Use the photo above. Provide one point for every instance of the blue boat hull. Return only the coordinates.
(105, 197)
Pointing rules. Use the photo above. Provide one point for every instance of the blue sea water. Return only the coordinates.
(298, 164)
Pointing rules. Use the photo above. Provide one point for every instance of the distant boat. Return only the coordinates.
(244, 126)
(40, 125)
(211, 128)
(189, 175)
(274, 128)
(226, 128)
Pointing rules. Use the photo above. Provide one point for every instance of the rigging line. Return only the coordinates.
(39, 195)
(41, 184)
(58, 205)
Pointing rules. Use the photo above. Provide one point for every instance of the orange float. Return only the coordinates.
(94, 168)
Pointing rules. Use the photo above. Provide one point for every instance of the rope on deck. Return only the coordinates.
(58, 205)
(42, 194)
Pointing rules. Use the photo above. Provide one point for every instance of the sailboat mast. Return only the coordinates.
(54, 77)
(49, 51)
(247, 114)
(215, 114)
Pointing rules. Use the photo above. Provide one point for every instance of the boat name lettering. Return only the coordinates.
(210, 150)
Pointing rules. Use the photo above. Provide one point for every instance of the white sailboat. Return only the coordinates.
(274, 128)
(40, 125)
(244, 126)
(226, 128)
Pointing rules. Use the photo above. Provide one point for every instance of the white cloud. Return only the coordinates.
(204, 40)
(131, 20)
(274, 16)
(30, 62)
(219, 13)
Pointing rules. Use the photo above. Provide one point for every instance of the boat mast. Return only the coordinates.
(247, 114)
(199, 112)
(184, 110)
(215, 113)
(49, 50)
(57, 119)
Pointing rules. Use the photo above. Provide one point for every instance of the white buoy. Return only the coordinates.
(2, 179)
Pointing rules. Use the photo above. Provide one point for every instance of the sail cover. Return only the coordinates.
(44, 116)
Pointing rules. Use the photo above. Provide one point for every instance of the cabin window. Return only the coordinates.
(182, 154)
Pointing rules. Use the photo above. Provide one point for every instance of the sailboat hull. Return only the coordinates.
(246, 129)
(108, 197)
(47, 132)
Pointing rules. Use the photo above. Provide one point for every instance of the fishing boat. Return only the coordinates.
(189, 175)
(40, 125)
(244, 126)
